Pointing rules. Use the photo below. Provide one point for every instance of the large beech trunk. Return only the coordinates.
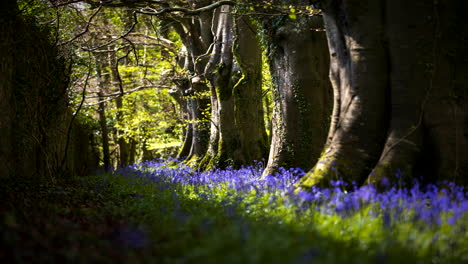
(238, 134)
(299, 62)
(196, 36)
(234, 133)
(247, 92)
(398, 70)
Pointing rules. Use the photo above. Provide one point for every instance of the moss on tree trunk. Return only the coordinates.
(298, 59)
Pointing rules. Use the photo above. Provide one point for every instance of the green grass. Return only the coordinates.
(112, 219)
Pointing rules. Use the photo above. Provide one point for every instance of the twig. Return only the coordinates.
(83, 97)
(85, 30)
(120, 37)
(119, 94)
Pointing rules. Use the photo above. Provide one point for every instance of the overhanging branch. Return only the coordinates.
(113, 96)
(85, 29)
(186, 11)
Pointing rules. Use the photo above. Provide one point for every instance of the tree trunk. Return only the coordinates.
(205, 163)
(219, 72)
(248, 104)
(187, 142)
(132, 151)
(400, 94)
(176, 93)
(198, 108)
(298, 59)
(103, 83)
(196, 37)
(238, 132)
(124, 147)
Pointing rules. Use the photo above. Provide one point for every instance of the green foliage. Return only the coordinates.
(267, 93)
(149, 116)
(189, 227)
(112, 218)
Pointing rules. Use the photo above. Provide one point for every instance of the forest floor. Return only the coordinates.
(138, 216)
(63, 222)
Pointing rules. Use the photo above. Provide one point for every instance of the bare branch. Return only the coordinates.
(186, 11)
(117, 73)
(85, 30)
(70, 126)
(145, 3)
(120, 37)
(58, 3)
(113, 96)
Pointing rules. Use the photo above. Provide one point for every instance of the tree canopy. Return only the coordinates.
(191, 78)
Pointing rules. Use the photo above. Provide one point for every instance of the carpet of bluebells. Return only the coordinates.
(234, 216)
(165, 212)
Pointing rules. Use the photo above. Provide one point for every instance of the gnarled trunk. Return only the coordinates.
(238, 134)
(196, 37)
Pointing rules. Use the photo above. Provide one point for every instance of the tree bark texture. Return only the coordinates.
(196, 35)
(299, 62)
(399, 92)
(248, 104)
(238, 134)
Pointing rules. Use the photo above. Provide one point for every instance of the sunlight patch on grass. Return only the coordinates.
(232, 216)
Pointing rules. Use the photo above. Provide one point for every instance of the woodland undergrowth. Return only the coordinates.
(158, 212)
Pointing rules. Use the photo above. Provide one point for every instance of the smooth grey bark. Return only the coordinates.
(400, 95)
(200, 129)
(445, 113)
(219, 71)
(359, 75)
(410, 53)
(299, 62)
